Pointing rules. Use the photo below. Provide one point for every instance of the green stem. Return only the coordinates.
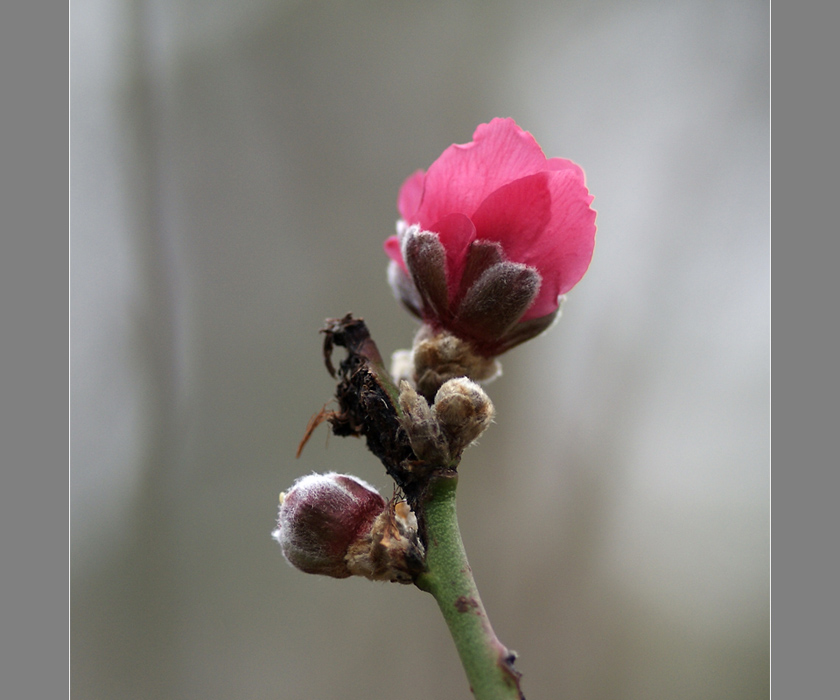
(487, 662)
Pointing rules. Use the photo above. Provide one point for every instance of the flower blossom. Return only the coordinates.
(491, 236)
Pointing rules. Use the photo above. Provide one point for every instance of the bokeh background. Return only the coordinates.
(235, 166)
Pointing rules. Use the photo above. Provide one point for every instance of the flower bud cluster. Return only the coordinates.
(440, 432)
(338, 525)
(490, 238)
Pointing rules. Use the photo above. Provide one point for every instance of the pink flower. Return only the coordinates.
(491, 236)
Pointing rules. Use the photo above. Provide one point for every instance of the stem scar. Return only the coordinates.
(465, 604)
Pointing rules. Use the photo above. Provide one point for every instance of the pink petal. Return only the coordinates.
(516, 215)
(544, 221)
(411, 193)
(392, 249)
(569, 241)
(563, 164)
(465, 174)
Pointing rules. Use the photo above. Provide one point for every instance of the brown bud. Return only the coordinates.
(463, 412)
(439, 357)
(422, 427)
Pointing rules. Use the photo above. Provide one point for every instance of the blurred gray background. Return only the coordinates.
(235, 167)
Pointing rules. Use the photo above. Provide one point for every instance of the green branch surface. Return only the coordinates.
(486, 661)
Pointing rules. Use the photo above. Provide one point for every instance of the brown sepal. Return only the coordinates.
(425, 258)
(496, 301)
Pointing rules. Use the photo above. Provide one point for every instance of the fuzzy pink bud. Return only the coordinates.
(321, 517)
(338, 525)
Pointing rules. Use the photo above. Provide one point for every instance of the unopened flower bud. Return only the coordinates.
(464, 411)
(337, 525)
(422, 428)
(321, 516)
(439, 357)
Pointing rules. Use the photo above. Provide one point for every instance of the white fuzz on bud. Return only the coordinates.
(402, 366)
